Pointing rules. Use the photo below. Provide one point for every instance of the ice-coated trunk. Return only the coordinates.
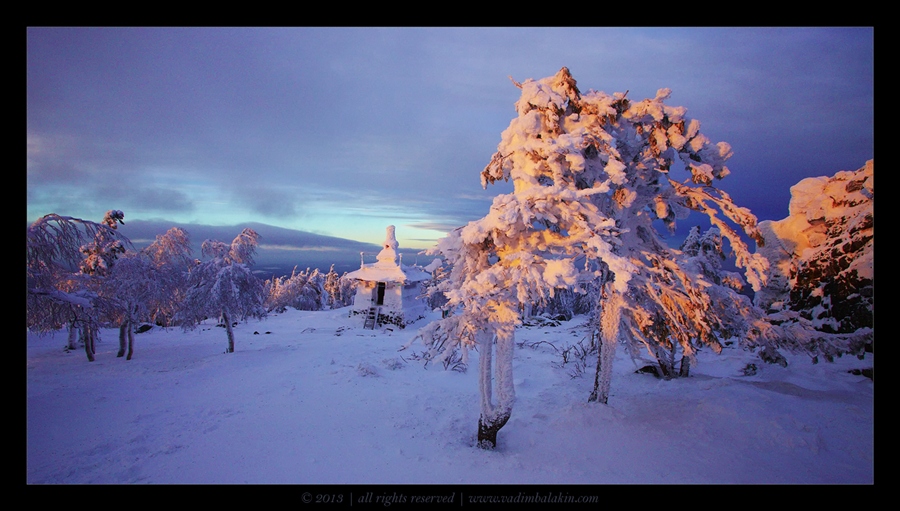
(131, 324)
(493, 417)
(666, 359)
(595, 391)
(685, 370)
(228, 330)
(73, 335)
(526, 310)
(87, 335)
(126, 337)
(130, 344)
(123, 332)
(609, 335)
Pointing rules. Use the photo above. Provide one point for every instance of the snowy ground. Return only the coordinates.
(315, 399)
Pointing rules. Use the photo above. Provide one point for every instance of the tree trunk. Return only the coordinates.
(123, 331)
(130, 344)
(127, 329)
(487, 432)
(73, 336)
(229, 331)
(87, 333)
(595, 392)
(665, 359)
(665, 356)
(609, 335)
(685, 370)
(493, 417)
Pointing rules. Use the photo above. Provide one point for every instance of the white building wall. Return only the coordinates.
(401, 303)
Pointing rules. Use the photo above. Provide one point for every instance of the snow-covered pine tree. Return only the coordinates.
(439, 272)
(105, 248)
(532, 242)
(224, 286)
(332, 288)
(693, 302)
(66, 261)
(305, 290)
(313, 295)
(623, 156)
(348, 290)
(822, 265)
(272, 288)
(590, 175)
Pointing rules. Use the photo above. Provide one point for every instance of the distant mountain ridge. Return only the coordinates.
(280, 249)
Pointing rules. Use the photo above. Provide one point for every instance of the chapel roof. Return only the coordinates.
(387, 267)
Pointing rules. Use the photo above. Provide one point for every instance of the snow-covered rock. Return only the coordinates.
(822, 254)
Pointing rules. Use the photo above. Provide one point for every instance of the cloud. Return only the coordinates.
(344, 129)
(151, 199)
(434, 226)
(291, 248)
(269, 200)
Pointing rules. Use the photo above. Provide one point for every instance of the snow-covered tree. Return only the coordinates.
(625, 156)
(439, 273)
(685, 300)
(130, 286)
(149, 285)
(224, 286)
(821, 290)
(314, 295)
(590, 174)
(304, 290)
(338, 291)
(347, 290)
(67, 260)
(277, 300)
(171, 255)
(532, 242)
(332, 288)
(105, 248)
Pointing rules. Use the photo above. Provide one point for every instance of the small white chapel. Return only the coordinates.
(389, 292)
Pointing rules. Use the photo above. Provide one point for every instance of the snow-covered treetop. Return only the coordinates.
(75, 243)
(591, 172)
(240, 251)
(67, 259)
(434, 264)
(617, 154)
(172, 247)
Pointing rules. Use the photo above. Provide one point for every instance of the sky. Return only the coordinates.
(343, 131)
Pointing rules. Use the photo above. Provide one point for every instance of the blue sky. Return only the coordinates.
(343, 131)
